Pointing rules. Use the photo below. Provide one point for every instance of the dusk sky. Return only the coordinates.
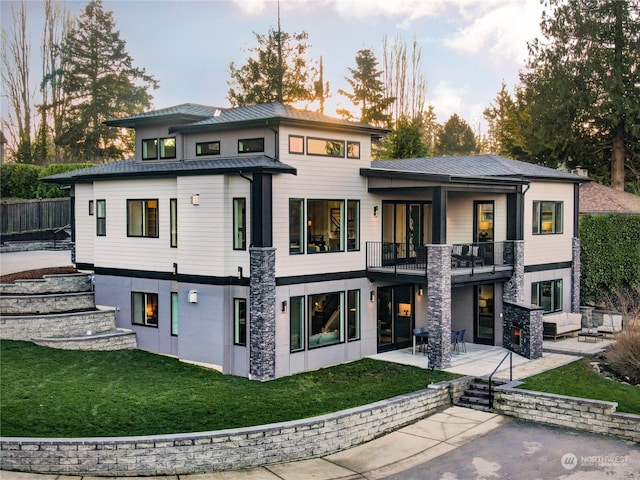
(468, 46)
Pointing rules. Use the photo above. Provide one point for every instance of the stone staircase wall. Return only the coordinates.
(71, 283)
(49, 303)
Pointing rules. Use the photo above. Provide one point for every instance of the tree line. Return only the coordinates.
(577, 103)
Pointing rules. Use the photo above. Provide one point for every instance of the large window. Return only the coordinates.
(173, 221)
(353, 225)
(207, 148)
(548, 295)
(353, 149)
(326, 319)
(296, 222)
(325, 147)
(142, 218)
(353, 315)
(239, 224)
(168, 147)
(296, 144)
(325, 226)
(144, 309)
(239, 321)
(547, 217)
(101, 218)
(251, 145)
(296, 326)
(150, 149)
(174, 313)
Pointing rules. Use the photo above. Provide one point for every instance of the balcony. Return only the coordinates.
(470, 262)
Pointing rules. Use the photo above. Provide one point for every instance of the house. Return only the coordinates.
(264, 241)
(597, 199)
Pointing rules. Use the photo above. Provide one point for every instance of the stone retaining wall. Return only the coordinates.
(594, 416)
(9, 247)
(224, 450)
(120, 339)
(68, 283)
(52, 303)
(26, 327)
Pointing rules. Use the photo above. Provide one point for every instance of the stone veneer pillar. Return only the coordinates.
(439, 305)
(575, 275)
(262, 314)
(513, 290)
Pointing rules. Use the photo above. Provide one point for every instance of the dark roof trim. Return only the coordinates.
(433, 177)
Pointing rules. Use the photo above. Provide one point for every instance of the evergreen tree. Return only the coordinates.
(456, 138)
(101, 83)
(278, 73)
(406, 140)
(582, 88)
(368, 90)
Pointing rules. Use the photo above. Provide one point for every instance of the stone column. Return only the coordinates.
(575, 276)
(262, 314)
(439, 305)
(514, 289)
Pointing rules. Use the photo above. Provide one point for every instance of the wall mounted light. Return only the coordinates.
(195, 199)
(284, 307)
(372, 295)
(175, 268)
(239, 273)
(193, 296)
(420, 291)
(375, 210)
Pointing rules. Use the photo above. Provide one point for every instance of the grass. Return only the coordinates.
(62, 393)
(577, 379)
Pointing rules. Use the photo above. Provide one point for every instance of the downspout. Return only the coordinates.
(277, 145)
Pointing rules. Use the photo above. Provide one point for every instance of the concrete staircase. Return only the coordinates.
(477, 395)
(59, 311)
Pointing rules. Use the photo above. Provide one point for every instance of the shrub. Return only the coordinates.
(20, 180)
(623, 355)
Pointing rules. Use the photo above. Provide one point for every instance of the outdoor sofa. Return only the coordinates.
(561, 324)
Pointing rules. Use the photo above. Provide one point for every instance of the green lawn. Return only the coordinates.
(577, 379)
(62, 393)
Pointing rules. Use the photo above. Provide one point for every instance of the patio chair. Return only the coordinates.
(421, 335)
(454, 341)
(460, 340)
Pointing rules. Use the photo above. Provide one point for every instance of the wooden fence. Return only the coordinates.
(34, 215)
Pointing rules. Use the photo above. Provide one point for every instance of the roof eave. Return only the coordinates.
(442, 178)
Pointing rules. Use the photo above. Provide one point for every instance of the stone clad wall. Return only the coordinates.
(51, 303)
(120, 339)
(594, 416)
(223, 450)
(68, 283)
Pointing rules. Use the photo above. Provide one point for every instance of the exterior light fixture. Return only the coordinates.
(193, 296)
(239, 273)
(284, 307)
(175, 268)
(375, 210)
(372, 296)
(195, 199)
(420, 291)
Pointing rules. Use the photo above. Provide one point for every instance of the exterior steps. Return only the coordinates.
(477, 395)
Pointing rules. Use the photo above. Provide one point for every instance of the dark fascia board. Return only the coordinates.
(536, 178)
(274, 122)
(441, 178)
(170, 174)
(155, 120)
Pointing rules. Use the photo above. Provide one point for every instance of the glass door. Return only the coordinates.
(395, 317)
(485, 315)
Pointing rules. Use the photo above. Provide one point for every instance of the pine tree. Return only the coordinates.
(456, 138)
(101, 83)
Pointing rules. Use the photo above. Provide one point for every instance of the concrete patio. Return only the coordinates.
(481, 360)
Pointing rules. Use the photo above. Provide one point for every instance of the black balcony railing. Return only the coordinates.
(400, 256)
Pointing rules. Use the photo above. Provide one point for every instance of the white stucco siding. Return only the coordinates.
(85, 224)
(550, 248)
(322, 178)
(116, 249)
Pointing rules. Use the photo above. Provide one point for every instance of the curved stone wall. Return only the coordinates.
(225, 450)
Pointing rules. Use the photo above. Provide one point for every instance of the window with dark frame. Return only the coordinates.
(173, 222)
(168, 147)
(296, 144)
(296, 225)
(325, 147)
(207, 148)
(101, 218)
(144, 309)
(547, 217)
(353, 225)
(548, 295)
(174, 314)
(326, 319)
(353, 315)
(90, 207)
(325, 226)
(296, 324)
(353, 149)
(142, 218)
(239, 224)
(240, 321)
(251, 145)
(150, 149)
